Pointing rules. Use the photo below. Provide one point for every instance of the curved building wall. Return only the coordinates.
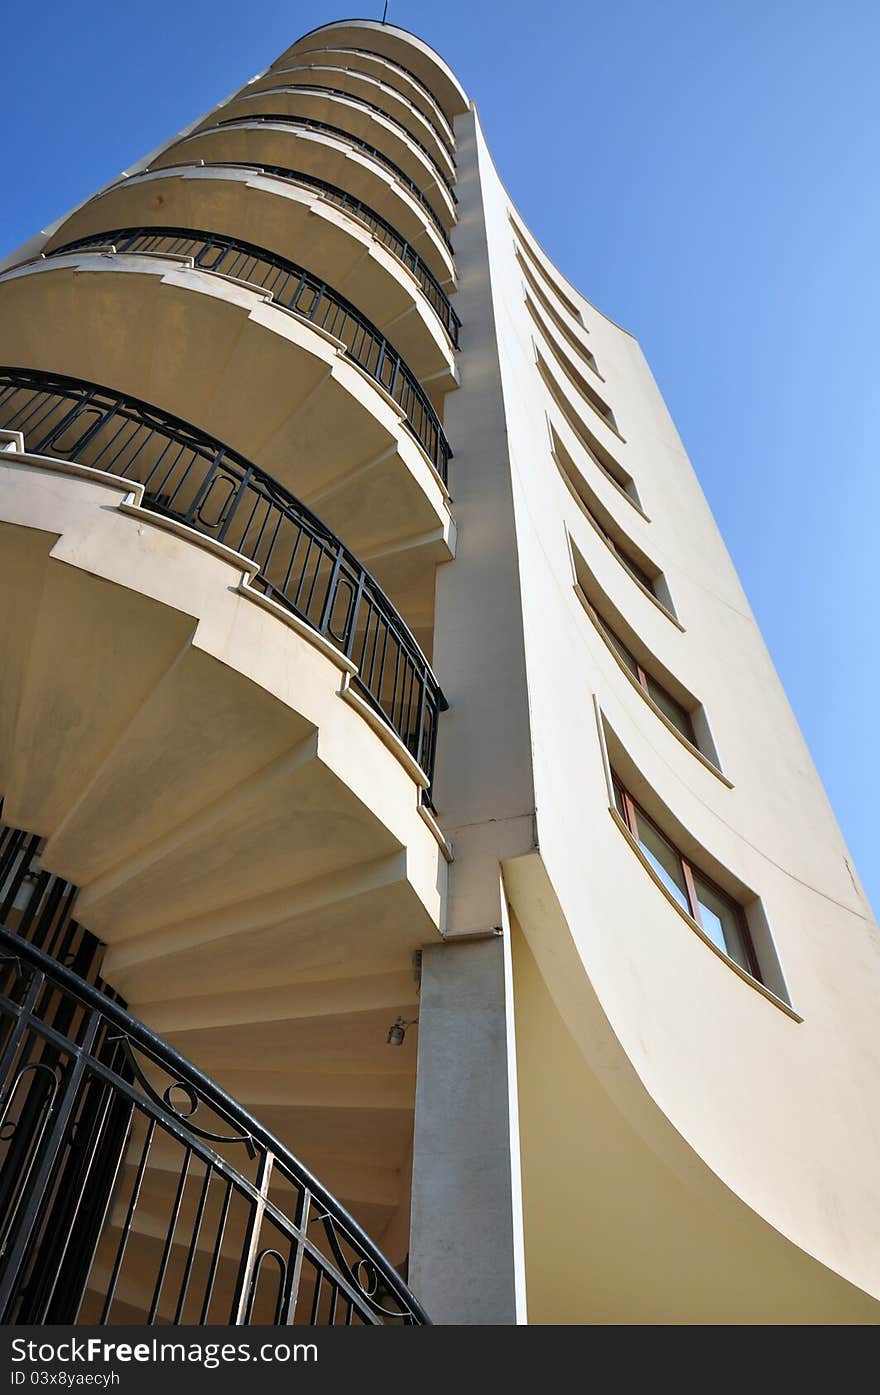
(761, 1095)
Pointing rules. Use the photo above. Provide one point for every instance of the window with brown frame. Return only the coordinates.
(668, 705)
(721, 919)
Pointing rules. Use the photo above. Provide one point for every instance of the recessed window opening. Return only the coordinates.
(672, 709)
(581, 386)
(639, 567)
(547, 305)
(523, 246)
(721, 918)
(601, 457)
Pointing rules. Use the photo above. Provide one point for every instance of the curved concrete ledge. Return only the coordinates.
(361, 122)
(293, 221)
(328, 157)
(70, 781)
(371, 88)
(393, 43)
(268, 385)
(361, 60)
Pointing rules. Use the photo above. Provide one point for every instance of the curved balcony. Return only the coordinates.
(386, 70)
(300, 563)
(271, 385)
(373, 92)
(134, 1189)
(339, 99)
(405, 51)
(328, 151)
(188, 195)
(363, 121)
(295, 289)
(243, 826)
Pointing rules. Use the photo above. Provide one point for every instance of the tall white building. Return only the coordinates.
(383, 724)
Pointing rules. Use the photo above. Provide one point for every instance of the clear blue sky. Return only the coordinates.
(727, 212)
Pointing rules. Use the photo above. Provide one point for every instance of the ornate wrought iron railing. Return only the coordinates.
(189, 476)
(309, 123)
(311, 89)
(199, 1215)
(392, 63)
(307, 296)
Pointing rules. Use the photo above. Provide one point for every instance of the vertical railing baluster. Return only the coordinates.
(245, 1275)
(211, 1276)
(27, 1222)
(126, 1226)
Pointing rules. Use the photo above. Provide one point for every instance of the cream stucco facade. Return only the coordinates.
(610, 1104)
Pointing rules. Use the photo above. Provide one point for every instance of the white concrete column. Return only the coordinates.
(465, 1251)
(466, 1229)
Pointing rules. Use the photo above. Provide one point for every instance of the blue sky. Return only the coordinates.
(727, 212)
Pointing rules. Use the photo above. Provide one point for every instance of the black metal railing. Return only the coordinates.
(191, 477)
(38, 905)
(379, 226)
(379, 156)
(392, 63)
(440, 134)
(310, 89)
(299, 291)
(207, 1218)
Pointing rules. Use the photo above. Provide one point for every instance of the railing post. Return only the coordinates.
(245, 1277)
(26, 1224)
(243, 485)
(355, 611)
(331, 594)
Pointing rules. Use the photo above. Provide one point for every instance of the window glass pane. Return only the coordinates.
(721, 922)
(663, 858)
(671, 709)
(620, 648)
(618, 800)
(636, 570)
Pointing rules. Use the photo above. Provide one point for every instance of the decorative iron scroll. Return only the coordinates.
(210, 1223)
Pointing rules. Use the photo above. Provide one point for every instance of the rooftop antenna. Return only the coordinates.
(384, 11)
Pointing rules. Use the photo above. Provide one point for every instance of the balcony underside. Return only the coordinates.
(366, 87)
(247, 845)
(256, 377)
(296, 223)
(360, 122)
(327, 157)
(360, 61)
(394, 44)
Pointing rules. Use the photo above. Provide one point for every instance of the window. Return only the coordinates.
(578, 381)
(633, 567)
(671, 708)
(721, 919)
(522, 246)
(603, 458)
(545, 302)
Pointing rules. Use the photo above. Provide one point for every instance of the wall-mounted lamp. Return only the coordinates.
(397, 1031)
